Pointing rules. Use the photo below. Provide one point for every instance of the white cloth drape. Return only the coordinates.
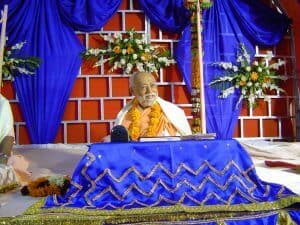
(6, 119)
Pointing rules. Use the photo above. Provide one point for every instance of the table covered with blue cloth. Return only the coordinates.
(176, 180)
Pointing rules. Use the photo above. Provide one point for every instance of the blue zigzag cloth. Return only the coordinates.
(204, 176)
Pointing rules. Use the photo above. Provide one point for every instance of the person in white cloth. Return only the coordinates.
(148, 115)
(6, 130)
(13, 168)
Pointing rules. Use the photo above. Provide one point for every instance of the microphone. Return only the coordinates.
(119, 134)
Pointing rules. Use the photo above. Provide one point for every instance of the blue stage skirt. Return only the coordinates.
(192, 176)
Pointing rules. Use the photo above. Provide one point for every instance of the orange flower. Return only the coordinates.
(117, 49)
(266, 79)
(242, 83)
(254, 76)
(130, 50)
(146, 56)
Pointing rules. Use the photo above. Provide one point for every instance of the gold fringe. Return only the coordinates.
(216, 213)
(252, 207)
(70, 219)
(284, 219)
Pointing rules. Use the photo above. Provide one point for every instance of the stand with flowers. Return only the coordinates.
(253, 80)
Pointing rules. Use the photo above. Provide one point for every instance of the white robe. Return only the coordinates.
(174, 114)
(6, 119)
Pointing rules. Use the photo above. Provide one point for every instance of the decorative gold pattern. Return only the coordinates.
(177, 214)
(249, 195)
(83, 172)
(177, 171)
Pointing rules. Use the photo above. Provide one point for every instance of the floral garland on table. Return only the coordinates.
(130, 52)
(14, 65)
(135, 116)
(253, 80)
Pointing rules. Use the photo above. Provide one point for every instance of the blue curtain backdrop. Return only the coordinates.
(48, 27)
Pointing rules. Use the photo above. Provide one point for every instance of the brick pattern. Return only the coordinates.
(98, 94)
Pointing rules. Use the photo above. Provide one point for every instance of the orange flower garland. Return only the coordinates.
(135, 116)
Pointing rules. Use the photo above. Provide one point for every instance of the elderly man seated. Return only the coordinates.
(148, 115)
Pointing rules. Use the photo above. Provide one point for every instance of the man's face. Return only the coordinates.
(145, 89)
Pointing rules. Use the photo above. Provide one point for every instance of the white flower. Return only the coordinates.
(140, 67)
(243, 78)
(108, 38)
(248, 68)
(117, 35)
(134, 56)
(255, 63)
(239, 59)
(122, 61)
(23, 70)
(259, 69)
(269, 55)
(18, 45)
(129, 67)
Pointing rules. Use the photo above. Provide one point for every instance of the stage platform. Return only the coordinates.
(62, 159)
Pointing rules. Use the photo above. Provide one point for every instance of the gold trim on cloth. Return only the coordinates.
(156, 215)
(249, 186)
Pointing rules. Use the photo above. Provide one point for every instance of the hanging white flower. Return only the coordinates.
(18, 45)
(251, 79)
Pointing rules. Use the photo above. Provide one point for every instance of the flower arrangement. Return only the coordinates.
(252, 79)
(13, 65)
(130, 52)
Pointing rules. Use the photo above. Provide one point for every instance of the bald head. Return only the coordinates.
(143, 86)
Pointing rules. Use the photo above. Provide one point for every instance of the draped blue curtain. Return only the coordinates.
(48, 27)
(172, 16)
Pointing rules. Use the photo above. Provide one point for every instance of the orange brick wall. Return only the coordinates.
(98, 95)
